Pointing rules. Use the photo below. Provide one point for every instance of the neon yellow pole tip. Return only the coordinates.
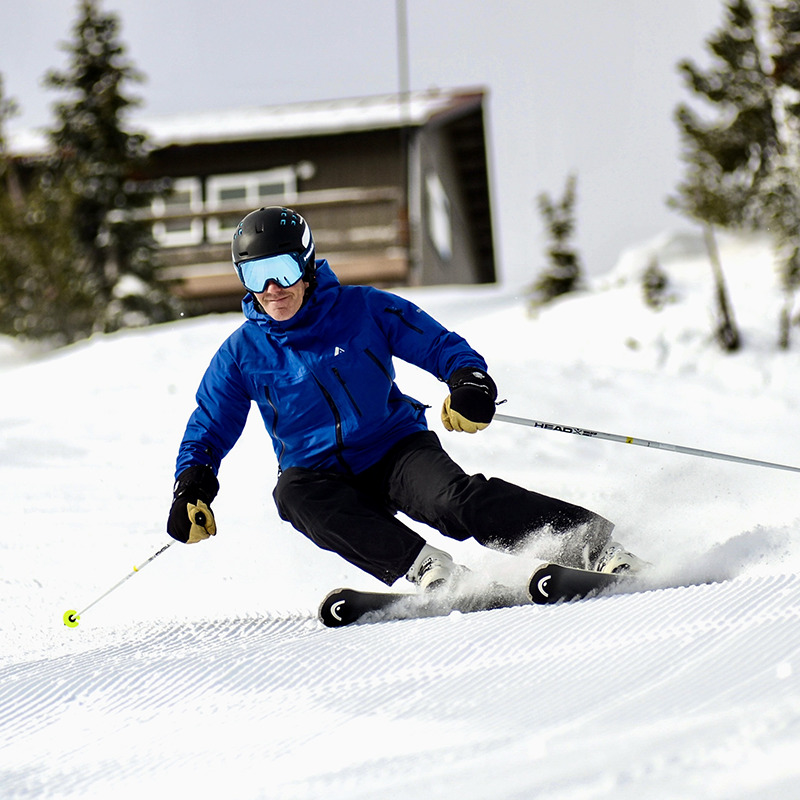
(71, 618)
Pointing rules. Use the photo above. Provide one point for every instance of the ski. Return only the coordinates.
(348, 606)
(549, 583)
(554, 583)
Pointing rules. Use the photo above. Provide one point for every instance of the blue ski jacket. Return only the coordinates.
(322, 380)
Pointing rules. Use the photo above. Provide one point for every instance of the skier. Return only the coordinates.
(352, 449)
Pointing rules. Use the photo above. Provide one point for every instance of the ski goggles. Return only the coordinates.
(285, 269)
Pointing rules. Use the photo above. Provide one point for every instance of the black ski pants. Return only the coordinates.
(354, 515)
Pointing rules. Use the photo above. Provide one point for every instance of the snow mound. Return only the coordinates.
(207, 673)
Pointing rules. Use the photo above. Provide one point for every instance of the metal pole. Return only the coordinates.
(403, 72)
(72, 617)
(614, 437)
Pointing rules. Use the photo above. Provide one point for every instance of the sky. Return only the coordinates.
(580, 86)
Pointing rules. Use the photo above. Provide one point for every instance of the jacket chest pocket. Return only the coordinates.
(292, 399)
(360, 378)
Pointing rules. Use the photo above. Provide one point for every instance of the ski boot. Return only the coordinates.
(434, 570)
(614, 558)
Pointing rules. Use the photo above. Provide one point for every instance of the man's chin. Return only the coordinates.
(279, 312)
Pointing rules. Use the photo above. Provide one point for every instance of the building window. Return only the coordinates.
(243, 192)
(177, 228)
(438, 218)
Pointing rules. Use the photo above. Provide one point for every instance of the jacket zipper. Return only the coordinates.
(347, 391)
(380, 366)
(405, 399)
(275, 425)
(399, 314)
(337, 418)
(416, 405)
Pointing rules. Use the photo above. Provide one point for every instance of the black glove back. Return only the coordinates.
(470, 406)
(190, 517)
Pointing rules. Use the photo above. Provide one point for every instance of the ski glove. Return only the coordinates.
(470, 405)
(190, 518)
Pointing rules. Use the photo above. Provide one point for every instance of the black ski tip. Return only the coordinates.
(334, 611)
(345, 606)
(541, 585)
(555, 583)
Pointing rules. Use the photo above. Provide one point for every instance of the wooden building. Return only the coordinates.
(395, 188)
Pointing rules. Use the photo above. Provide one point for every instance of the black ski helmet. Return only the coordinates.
(272, 231)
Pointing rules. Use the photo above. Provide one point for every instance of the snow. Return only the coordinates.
(207, 673)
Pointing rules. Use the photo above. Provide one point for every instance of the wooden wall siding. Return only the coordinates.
(359, 230)
(370, 225)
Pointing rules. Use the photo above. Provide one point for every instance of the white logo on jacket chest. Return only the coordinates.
(337, 351)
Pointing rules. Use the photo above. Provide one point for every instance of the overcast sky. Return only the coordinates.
(583, 86)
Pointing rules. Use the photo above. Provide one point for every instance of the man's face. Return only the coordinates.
(282, 303)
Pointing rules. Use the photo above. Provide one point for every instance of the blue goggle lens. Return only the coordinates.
(284, 269)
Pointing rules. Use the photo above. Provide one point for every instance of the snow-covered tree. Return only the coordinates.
(563, 272)
(655, 285)
(743, 164)
(732, 154)
(93, 161)
(728, 155)
(40, 297)
(780, 193)
(74, 256)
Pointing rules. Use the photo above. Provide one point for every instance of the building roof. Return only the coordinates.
(322, 117)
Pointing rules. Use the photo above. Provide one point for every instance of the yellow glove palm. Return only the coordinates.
(201, 519)
(453, 421)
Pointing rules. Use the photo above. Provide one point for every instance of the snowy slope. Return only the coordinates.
(207, 672)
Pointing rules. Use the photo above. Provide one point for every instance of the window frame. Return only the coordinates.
(160, 206)
(252, 182)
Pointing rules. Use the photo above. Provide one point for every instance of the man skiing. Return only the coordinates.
(352, 449)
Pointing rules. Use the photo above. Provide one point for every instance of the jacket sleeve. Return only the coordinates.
(215, 426)
(419, 339)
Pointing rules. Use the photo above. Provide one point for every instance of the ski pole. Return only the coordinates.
(614, 437)
(72, 617)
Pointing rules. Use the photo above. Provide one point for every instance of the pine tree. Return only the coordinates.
(39, 299)
(9, 185)
(781, 192)
(90, 176)
(655, 285)
(731, 157)
(563, 274)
